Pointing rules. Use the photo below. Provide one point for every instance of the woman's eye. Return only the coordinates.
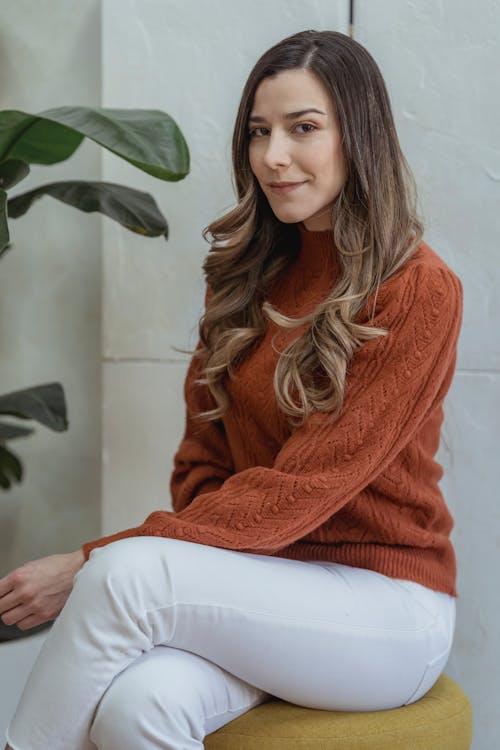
(253, 133)
(307, 125)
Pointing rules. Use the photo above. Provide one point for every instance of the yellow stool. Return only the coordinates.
(440, 720)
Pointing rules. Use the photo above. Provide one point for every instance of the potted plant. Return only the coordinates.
(148, 139)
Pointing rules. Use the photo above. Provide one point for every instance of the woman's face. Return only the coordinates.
(303, 148)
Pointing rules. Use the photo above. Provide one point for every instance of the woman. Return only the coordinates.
(308, 553)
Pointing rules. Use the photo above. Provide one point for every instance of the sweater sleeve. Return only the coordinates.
(203, 459)
(393, 385)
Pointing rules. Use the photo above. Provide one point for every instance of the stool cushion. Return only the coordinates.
(441, 719)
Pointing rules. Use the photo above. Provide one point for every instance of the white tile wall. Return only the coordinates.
(143, 418)
(470, 484)
(440, 63)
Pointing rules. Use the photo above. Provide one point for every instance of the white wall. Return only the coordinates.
(440, 61)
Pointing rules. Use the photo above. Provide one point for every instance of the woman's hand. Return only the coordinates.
(37, 591)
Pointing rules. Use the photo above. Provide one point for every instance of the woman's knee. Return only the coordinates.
(135, 712)
(132, 580)
(125, 560)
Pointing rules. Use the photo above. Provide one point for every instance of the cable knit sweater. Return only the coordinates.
(361, 490)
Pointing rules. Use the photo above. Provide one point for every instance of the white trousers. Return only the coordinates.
(163, 641)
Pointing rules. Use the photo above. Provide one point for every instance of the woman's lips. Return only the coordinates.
(285, 188)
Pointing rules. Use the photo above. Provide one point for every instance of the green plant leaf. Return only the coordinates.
(45, 403)
(11, 469)
(12, 171)
(35, 140)
(4, 227)
(147, 138)
(133, 209)
(13, 431)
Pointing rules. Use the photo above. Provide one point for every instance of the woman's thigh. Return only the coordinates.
(169, 697)
(323, 635)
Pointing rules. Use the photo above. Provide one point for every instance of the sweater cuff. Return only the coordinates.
(103, 541)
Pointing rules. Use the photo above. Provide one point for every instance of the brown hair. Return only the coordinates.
(375, 231)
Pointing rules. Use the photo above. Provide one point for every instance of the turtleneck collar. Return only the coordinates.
(310, 277)
(317, 249)
(314, 234)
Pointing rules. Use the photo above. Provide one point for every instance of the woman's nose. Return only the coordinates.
(277, 151)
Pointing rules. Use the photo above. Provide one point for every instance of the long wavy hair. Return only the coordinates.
(375, 224)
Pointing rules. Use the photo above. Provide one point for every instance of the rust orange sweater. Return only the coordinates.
(361, 490)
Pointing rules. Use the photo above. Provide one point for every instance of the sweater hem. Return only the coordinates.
(395, 562)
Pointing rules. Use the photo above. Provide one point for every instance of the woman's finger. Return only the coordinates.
(30, 622)
(13, 616)
(13, 599)
(6, 584)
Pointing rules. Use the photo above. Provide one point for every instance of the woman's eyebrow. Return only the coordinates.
(289, 115)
